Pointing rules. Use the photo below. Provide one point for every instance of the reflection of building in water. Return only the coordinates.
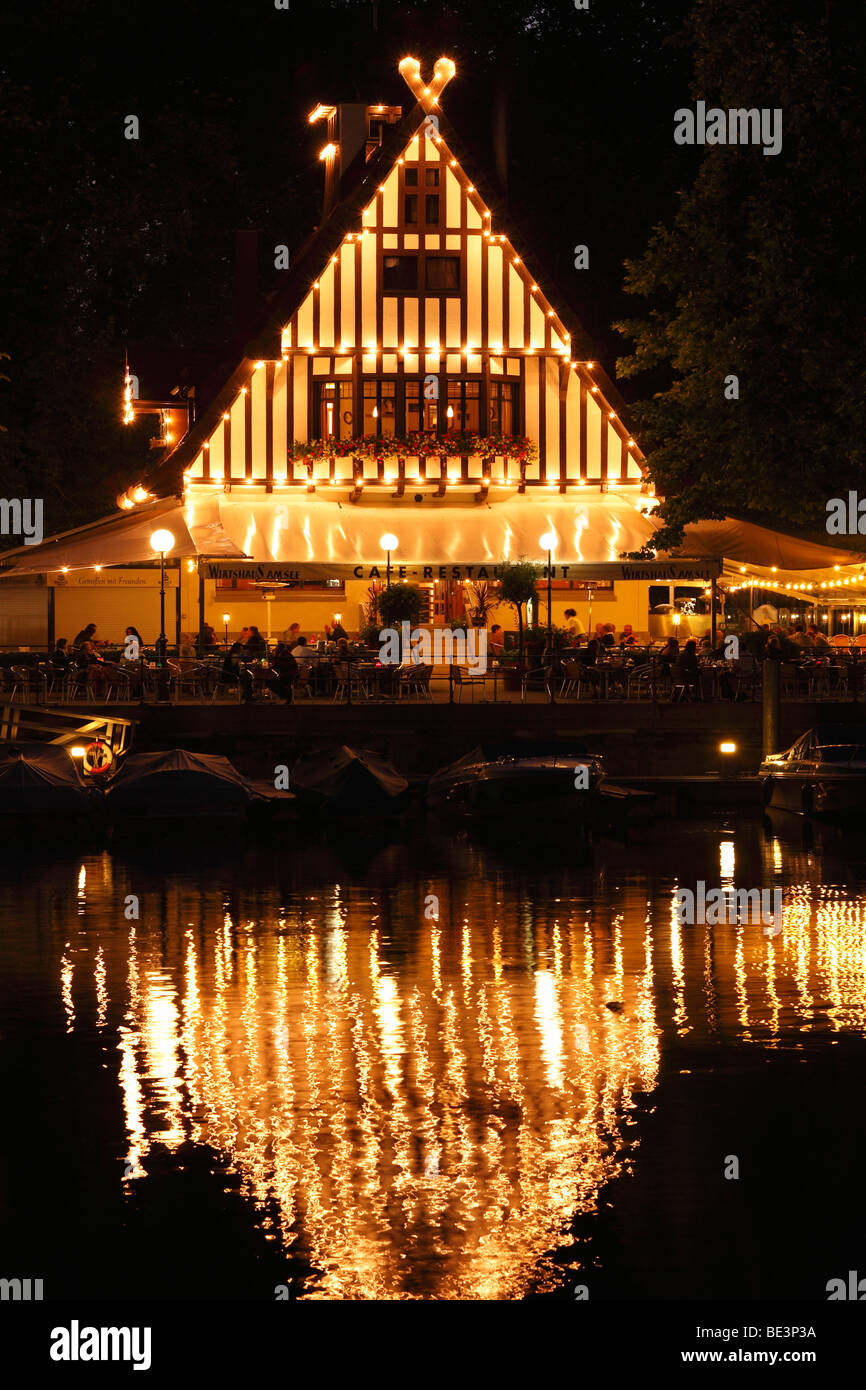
(419, 1108)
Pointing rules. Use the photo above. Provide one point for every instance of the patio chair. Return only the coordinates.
(827, 682)
(303, 682)
(461, 677)
(640, 680)
(571, 674)
(194, 679)
(341, 681)
(414, 680)
(795, 681)
(8, 683)
(539, 678)
(74, 683)
(27, 682)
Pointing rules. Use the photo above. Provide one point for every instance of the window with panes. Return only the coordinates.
(380, 407)
(333, 410)
(502, 407)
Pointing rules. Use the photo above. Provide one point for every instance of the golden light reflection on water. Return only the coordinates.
(420, 1108)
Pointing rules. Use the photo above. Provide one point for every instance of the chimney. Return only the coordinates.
(354, 132)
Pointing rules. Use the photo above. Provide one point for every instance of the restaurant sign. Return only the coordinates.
(272, 572)
(112, 579)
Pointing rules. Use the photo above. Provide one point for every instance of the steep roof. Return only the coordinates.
(363, 179)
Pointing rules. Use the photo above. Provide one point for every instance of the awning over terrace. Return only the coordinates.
(321, 534)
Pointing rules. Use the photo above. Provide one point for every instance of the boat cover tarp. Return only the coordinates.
(177, 781)
(346, 779)
(38, 779)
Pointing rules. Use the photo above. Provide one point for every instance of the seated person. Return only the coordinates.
(303, 656)
(60, 657)
(255, 645)
(337, 631)
(627, 637)
(817, 637)
(688, 662)
(88, 659)
(88, 655)
(285, 669)
(588, 656)
(234, 672)
(608, 635)
(669, 654)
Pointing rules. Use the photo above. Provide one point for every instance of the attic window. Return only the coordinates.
(442, 273)
(399, 274)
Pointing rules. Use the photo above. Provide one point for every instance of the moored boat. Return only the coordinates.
(199, 791)
(489, 784)
(822, 774)
(344, 780)
(41, 789)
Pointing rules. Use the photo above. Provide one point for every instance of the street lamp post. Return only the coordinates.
(162, 542)
(388, 542)
(548, 543)
(226, 617)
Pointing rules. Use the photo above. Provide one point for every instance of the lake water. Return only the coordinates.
(417, 1065)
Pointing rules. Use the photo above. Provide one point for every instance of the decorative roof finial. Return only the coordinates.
(427, 93)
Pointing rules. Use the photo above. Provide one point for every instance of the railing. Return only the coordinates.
(52, 725)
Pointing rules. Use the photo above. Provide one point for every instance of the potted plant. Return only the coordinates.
(402, 603)
(517, 587)
(480, 601)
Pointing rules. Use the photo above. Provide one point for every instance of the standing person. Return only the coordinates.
(572, 622)
(86, 634)
(338, 631)
(497, 640)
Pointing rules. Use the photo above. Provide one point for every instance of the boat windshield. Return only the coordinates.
(840, 753)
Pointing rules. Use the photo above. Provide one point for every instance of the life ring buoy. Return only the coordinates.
(98, 758)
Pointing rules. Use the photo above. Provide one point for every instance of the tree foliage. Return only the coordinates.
(517, 587)
(757, 277)
(399, 603)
